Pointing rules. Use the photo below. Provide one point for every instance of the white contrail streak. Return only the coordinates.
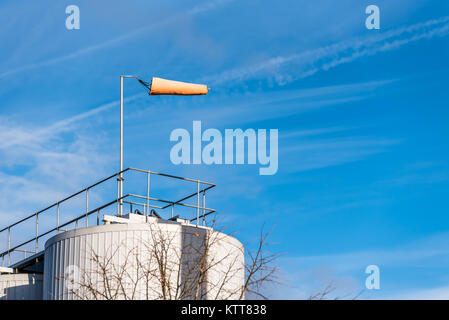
(21, 136)
(309, 62)
(210, 5)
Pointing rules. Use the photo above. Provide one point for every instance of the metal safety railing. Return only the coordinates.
(132, 199)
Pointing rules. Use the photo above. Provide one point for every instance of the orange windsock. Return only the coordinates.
(168, 87)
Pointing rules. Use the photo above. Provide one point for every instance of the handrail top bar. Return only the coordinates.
(63, 225)
(63, 200)
(172, 176)
(168, 201)
(97, 183)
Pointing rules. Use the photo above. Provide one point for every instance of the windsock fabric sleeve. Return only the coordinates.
(161, 86)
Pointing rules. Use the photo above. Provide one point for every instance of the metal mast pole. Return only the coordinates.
(121, 145)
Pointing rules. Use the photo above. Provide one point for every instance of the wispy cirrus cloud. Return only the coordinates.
(308, 273)
(435, 293)
(312, 132)
(15, 135)
(292, 67)
(201, 8)
(322, 153)
(41, 164)
(239, 109)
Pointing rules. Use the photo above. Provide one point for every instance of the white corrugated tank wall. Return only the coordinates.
(78, 262)
(21, 286)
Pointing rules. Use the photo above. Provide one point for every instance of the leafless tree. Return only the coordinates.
(192, 264)
(328, 293)
(260, 268)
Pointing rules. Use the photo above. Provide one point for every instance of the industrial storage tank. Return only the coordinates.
(21, 286)
(143, 257)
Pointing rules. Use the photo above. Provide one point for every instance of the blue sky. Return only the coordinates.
(362, 117)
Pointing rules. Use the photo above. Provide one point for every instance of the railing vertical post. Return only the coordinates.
(198, 204)
(121, 197)
(9, 246)
(98, 217)
(57, 217)
(37, 231)
(118, 196)
(172, 205)
(148, 194)
(87, 207)
(204, 207)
